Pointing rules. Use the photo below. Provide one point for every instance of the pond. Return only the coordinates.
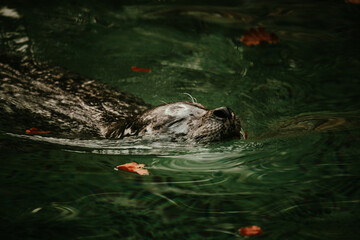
(296, 176)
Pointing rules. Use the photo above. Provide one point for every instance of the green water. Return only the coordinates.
(294, 184)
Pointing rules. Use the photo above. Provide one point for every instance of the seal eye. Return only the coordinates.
(177, 121)
(222, 112)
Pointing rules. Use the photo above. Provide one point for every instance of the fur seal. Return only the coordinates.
(35, 94)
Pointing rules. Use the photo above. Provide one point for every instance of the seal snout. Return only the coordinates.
(223, 112)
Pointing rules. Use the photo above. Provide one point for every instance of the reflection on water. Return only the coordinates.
(297, 176)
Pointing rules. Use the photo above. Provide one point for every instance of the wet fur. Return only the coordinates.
(37, 95)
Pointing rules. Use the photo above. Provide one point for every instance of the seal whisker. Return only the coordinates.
(193, 100)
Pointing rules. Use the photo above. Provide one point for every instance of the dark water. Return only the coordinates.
(297, 176)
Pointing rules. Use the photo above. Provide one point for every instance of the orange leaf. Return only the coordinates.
(134, 167)
(353, 1)
(36, 131)
(137, 69)
(257, 36)
(250, 231)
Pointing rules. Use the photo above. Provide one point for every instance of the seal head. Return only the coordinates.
(186, 121)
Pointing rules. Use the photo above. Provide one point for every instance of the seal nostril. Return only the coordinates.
(222, 112)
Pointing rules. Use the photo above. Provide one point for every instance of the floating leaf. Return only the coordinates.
(36, 131)
(137, 69)
(250, 231)
(134, 167)
(353, 1)
(257, 36)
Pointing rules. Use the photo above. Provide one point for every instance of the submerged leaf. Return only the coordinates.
(257, 36)
(36, 131)
(137, 69)
(250, 231)
(134, 167)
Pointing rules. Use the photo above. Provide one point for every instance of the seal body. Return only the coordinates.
(69, 105)
(37, 95)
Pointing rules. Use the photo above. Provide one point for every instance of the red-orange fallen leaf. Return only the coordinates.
(250, 231)
(137, 69)
(353, 1)
(134, 167)
(257, 36)
(36, 131)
